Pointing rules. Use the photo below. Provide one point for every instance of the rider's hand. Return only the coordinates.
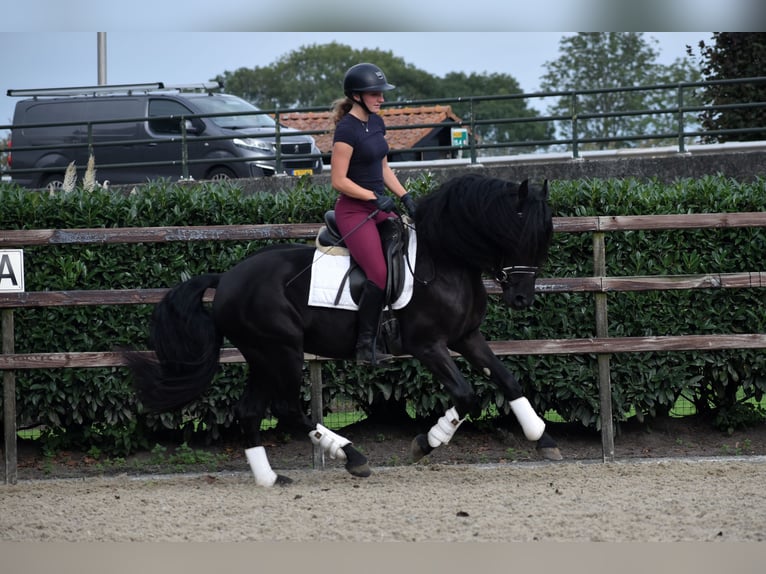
(409, 204)
(385, 203)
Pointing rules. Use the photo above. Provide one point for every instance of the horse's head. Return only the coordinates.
(492, 226)
(518, 285)
(534, 234)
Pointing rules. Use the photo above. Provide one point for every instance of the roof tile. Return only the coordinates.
(321, 122)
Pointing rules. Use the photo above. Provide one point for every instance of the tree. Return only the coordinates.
(734, 55)
(610, 60)
(312, 76)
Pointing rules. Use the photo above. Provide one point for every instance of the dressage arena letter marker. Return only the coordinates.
(11, 270)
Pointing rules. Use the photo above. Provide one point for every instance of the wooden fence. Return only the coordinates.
(599, 283)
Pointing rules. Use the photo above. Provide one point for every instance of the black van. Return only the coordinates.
(136, 132)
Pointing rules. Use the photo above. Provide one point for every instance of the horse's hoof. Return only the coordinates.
(356, 462)
(362, 470)
(283, 480)
(550, 453)
(419, 447)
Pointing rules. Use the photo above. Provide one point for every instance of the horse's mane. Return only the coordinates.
(478, 220)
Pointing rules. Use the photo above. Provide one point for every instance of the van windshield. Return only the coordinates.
(225, 104)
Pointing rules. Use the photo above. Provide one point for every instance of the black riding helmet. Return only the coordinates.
(365, 78)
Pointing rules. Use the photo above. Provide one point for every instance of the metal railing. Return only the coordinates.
(684, 123)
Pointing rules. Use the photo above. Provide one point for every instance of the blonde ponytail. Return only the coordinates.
(340, 108)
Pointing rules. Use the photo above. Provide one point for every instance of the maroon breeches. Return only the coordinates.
(362, 237)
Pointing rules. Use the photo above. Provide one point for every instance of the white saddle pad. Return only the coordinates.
(327, 273)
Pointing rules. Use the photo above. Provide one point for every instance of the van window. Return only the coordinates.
(100, 109)
(47, 113)
(227, 104)
(160, 107)
(82, 110)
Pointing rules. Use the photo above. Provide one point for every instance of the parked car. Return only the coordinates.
(135, 134)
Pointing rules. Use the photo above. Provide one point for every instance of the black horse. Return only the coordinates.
(471, 225)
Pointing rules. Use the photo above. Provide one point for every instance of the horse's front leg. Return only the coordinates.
(437, 359)
(475, 349)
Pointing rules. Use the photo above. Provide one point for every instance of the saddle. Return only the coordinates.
(394, 238)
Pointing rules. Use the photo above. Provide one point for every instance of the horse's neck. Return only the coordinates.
(434, 267)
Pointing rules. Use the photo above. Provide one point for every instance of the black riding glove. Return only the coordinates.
(385, 203)
(409, 204)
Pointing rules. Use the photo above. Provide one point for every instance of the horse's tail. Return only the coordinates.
(187, 346)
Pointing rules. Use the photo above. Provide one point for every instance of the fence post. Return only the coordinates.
(184, 151)
(681, 126)
(9, 402)
(602, 330)
(90, 140)
(315, 375)
(573, 111)
(278, 141)
(472, 128)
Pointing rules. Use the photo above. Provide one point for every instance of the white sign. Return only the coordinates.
(11, 270)
(459, 137)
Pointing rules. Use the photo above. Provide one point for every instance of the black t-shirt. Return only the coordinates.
(370, 147)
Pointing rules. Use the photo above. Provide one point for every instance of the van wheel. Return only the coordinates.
(220, 173)
(54, 182)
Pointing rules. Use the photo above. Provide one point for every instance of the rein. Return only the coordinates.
(505, 274)
(424, 282)
(502, 277)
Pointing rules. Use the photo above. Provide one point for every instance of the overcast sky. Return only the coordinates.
(58, 59)
(389, 15)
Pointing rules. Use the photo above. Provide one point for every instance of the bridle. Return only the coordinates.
(504, 275)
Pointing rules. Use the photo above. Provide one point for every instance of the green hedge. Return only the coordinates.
(96, 407)
(720, 383)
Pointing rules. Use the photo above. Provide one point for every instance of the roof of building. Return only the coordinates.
(397, 139)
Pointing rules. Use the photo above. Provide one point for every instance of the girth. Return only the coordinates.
(394, 239)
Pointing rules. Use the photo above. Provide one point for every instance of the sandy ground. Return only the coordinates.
(711, 499)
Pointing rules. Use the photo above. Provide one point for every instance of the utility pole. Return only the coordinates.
(101, 41)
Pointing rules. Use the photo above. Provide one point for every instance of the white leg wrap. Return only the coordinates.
(259, 464)
(533, 425)
(444, 429)
(332, 443)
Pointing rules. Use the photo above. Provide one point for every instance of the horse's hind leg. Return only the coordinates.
(337, 446)
(275, 374)
(286, 364)
(286, 405)
(250, 412)
(279, 370)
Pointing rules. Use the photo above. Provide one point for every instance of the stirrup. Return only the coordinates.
(367, 356)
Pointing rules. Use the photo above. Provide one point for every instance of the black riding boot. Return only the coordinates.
(370, 309)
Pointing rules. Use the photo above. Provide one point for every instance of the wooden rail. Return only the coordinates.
(600, 284)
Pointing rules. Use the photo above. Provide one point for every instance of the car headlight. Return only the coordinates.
(254, 143)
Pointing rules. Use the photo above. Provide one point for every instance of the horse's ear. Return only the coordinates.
(545, 190)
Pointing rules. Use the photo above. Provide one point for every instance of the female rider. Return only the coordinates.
(361, 175)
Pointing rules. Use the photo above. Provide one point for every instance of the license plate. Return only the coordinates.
(303, 171)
